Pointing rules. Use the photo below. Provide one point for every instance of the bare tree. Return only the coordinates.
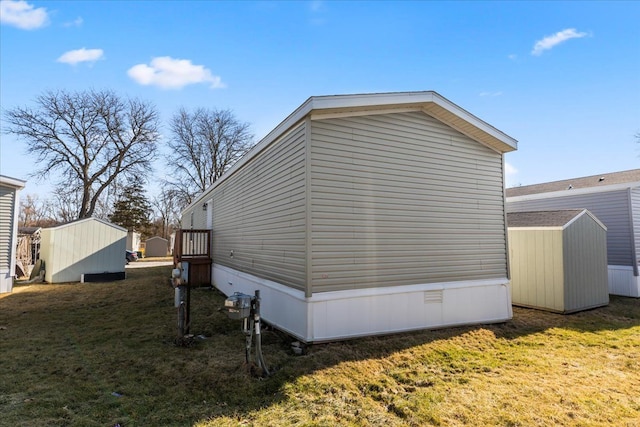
(66, 204)
(167, 209)
(34, 212)
(92, 139)
(205, 144)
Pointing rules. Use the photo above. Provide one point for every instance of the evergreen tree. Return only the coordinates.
(132, 210)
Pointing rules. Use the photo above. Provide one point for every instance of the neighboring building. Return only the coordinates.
(9, 205)
(558, 260)
(156, 246)
(365, 214)
(89, 247)
(133, 241)
(614, 198)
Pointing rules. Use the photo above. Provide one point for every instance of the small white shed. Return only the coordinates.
(558, 260)
(9, 198)
(156, 246)
(89, 246)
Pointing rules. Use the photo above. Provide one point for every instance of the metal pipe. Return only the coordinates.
(256, 318)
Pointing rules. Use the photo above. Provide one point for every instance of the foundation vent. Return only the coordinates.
(433, 297)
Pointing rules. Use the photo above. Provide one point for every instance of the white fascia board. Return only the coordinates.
(475, 121)
(12, 182)
(394, 100)
(572, 192)
(585, 212)
(79, 221)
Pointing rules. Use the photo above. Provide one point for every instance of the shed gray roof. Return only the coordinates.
(542, 218)
(592, 181)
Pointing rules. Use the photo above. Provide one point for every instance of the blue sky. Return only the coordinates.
(563, 78)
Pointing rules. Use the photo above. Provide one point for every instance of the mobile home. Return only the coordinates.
(365, 214)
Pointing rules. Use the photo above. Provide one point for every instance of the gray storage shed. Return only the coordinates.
(558, 260)
(89, 246)
(9, 202)
(614, 198)
(365, 214)
(156, 246)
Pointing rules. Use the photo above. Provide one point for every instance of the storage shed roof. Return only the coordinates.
(556, 218)
(631, 177)
(68, 224)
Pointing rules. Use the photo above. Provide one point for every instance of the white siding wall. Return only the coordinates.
(7, 229)
(260, 214)
(7, 202)
(612, 208)
(402, 199)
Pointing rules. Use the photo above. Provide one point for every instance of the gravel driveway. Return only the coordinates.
(144, 264)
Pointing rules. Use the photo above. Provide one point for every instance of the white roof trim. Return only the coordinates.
(12, 182)
(585, 212)
(68, 224)
(573, 192)
(398, 101)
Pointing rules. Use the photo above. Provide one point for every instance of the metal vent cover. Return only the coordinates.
(433, 297)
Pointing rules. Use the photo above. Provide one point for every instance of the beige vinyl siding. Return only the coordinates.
(399, 199)
(612, 208)
(585, 271)
(537, 268)
(260, 214)
(195, 217)
(7, 201)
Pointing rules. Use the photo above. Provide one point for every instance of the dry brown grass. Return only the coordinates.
(103, 353)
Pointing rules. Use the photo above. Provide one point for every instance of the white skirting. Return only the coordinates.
(6, 281)
(337, 315)
(623, 282)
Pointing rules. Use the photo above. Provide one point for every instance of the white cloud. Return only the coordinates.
(551, 41)
(75, 23)
(492, 94)
(22, 15)
(81, 55)
(170, 73)
(513, 57)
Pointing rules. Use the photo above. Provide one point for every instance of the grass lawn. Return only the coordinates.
(101, 354)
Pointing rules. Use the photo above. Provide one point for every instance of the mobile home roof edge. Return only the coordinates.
(573, 192)
(12, 182)
(430, 102)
